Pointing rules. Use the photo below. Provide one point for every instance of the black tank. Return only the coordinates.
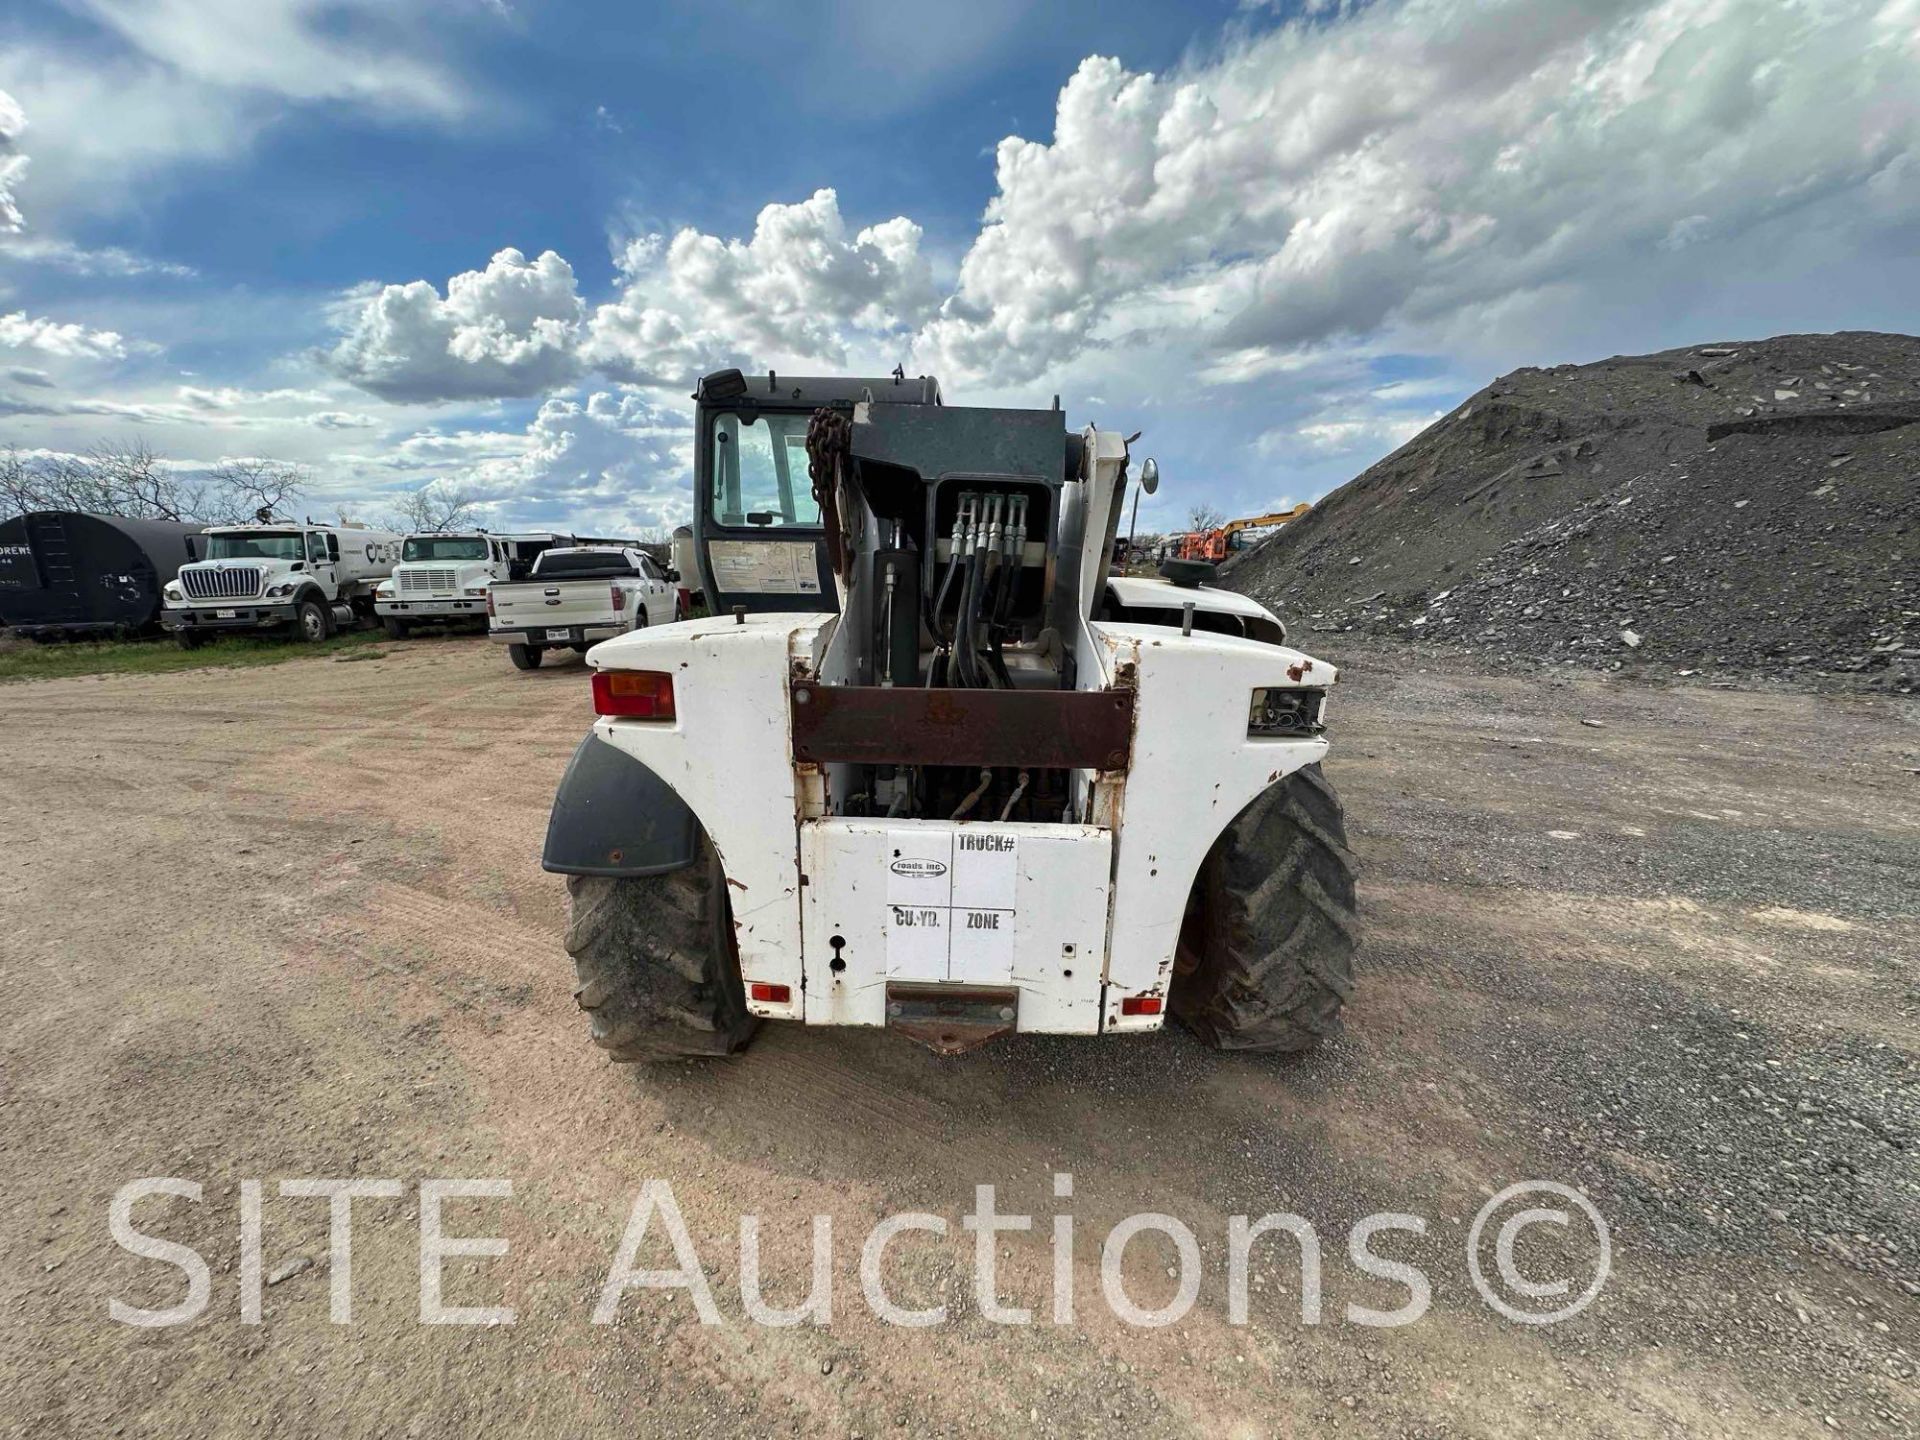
(64, 572)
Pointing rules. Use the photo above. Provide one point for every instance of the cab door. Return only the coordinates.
(655, 594)
(323, 564)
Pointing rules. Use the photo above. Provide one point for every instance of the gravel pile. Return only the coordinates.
(1743, 510)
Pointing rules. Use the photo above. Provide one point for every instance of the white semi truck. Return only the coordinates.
(442, 577)
(278, 576)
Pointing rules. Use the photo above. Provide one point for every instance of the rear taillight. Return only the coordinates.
(1140, 1005)
(489, 604)
(619, 598)
(636, 694)
(770, 994)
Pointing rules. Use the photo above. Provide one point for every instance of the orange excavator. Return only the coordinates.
(1213, 546)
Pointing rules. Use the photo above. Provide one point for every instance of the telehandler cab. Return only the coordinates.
(927, 764)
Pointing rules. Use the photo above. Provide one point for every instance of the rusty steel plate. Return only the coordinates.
(951, 1019)
(1034, 729)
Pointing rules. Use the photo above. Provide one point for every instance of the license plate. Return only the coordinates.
(225, 614)
(560, 634)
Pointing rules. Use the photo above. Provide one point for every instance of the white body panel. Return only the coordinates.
(729, 754)
(1113, 890)
(980, 904)
(1194, 769)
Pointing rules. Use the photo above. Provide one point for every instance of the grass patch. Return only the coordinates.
(24, 660)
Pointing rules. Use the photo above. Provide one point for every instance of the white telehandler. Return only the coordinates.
(927, 764)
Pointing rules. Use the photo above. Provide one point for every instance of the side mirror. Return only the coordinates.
(673, 576)
(333, 547)
(1150, 476)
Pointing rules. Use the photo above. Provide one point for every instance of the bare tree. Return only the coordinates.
(19, 485)
(242, 489)
(437, 505)
(131, 478)
(1205, 517)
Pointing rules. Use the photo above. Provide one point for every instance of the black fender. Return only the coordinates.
(614, 816)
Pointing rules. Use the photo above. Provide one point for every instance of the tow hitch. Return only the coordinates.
(951, 1019)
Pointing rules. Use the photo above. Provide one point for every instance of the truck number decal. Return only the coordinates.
(951, 905)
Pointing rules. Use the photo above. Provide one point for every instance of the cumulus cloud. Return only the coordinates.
(13, 164)
(610, 457)
(509, 330)
(1416, 169)
(1407, 162)
(19, 331)
(799, 291)
(794, 292)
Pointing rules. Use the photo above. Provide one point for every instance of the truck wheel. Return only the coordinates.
(315, 621)
(187, 639)
(1265, 958)
(395, 626)
(659, 974)
(525, 657)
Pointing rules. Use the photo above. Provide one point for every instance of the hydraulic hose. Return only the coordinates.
(986, 780)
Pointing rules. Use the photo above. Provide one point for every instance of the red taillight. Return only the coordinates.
(489, 604)
(638, 694)
(772, 994)
(1140, 1005)
(619, 597)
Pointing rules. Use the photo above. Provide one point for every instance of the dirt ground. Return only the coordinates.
(281, 923)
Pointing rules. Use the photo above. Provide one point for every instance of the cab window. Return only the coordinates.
(760, 473)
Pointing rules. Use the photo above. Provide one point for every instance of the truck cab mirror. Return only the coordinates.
(673, 576)
(333, 548)
(1150, 476)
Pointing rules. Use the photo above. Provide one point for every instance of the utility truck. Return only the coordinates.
(278, 577)
(442, 577)
(926, 765)
(575, 596)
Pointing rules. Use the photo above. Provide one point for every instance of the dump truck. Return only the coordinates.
(927, 765)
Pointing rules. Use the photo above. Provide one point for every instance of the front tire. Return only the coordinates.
(395, 627)
(188, 639)
(314, 621)
(658, 970)
(525, 657)
(1265, 958)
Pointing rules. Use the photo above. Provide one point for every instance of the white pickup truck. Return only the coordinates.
(577, 596)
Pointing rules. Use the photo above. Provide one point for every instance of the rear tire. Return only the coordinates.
(396, 628)
(313, 621)
(1265, 958)
(525, 657)
(658, 970)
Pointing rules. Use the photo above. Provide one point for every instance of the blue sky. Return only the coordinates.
(489, 244)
